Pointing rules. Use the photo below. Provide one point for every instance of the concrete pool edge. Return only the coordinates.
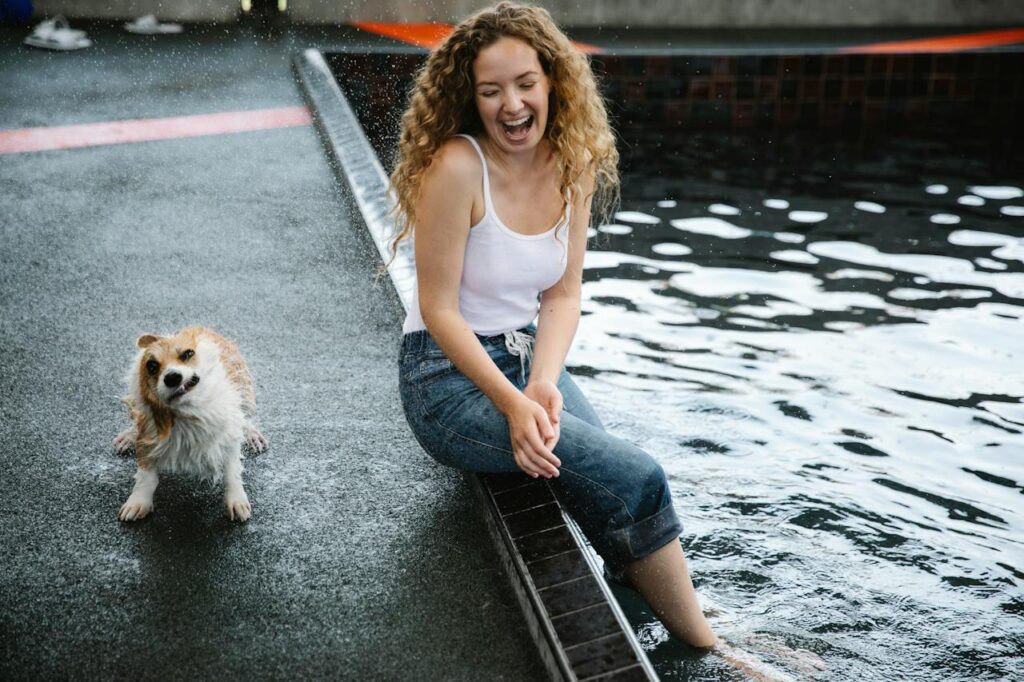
(355, 163)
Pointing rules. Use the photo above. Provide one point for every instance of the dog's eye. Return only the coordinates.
(187, 355)
(152, 367)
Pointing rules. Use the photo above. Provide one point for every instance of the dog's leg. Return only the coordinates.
(235, 499)
(253, 438)
(140, 502)
(125, 441)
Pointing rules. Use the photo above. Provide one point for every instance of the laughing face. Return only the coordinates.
(511, 92)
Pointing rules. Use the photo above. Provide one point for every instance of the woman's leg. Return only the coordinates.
(662, 577)
(616, 492)
(575, 403)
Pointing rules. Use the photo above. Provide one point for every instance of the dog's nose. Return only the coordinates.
(172, 379)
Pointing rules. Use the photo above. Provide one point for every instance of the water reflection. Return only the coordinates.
(827, 358)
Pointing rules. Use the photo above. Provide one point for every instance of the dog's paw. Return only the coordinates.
(255, 440)
(124, 442)
(135, 509)
(238, 507)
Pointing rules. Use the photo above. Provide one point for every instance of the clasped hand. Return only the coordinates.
(533, 426)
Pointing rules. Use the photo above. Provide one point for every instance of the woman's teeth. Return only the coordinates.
(518, 128)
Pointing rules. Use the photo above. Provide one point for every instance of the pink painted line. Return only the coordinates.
(148, 129)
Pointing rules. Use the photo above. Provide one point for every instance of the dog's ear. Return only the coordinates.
(147, 340)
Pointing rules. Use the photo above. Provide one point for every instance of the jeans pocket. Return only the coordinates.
(427, 366)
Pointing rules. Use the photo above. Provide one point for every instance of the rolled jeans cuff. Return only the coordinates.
(640, 540)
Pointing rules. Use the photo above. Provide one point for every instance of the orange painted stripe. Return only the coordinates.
(430, 35)
(422, 35)
(967, 41)
(145, 130)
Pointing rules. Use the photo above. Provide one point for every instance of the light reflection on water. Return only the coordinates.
(829, 363)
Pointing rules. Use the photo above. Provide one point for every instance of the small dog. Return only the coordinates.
(192, 400)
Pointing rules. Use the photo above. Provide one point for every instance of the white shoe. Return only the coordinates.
(55, 34)
(148, 25)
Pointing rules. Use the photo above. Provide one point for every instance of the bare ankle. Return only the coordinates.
(706, 641)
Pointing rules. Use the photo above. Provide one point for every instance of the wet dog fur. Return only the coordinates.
(192, 401)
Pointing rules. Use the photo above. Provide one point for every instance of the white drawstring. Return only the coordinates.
(520, 344)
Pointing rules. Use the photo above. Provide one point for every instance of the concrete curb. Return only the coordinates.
(580, 631)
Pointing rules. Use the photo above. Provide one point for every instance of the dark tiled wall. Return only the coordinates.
(980, 93)
(851, 92)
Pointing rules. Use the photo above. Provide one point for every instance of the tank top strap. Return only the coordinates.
(488, 204)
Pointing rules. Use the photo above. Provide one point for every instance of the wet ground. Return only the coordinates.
(363, 559)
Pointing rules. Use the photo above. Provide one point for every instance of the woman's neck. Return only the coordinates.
(526, 161)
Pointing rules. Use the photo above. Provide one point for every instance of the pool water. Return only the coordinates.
(824, 348)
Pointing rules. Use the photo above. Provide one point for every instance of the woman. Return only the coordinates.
(503, 147)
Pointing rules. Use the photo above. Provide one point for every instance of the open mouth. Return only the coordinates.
(184, 388)
(518, 129)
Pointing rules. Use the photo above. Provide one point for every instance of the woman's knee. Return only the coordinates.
(655, 494)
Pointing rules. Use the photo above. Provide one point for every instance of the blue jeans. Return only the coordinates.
(616, 493)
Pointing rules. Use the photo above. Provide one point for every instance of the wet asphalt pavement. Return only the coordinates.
(363, 559)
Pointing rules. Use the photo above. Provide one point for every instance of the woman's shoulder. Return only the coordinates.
(457, 159)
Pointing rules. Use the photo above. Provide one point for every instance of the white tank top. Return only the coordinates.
(503, 271)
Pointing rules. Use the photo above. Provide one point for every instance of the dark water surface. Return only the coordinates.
(825, 350)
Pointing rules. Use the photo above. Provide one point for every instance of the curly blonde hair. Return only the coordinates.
(442, 104)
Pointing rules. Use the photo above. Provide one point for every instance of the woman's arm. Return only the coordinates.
(560, 310)
(443, 215)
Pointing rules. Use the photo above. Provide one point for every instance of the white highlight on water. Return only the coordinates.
(991, 264)
(945, 219)
(936, 189)
(671, 249)
(945, 269)
(842, 325)
(869, 207)
(853, 273)
(715, 227)
(776, 203)
(637, 217)
(667, 203)
(794, 256)
(790, 237)
(971, 200)
(615, 229)
(1008, 248)
(614, 259)
(905, 294)
(723, 209)
(999, 193)
(807, 216)
(1014, 211)
(978, 238)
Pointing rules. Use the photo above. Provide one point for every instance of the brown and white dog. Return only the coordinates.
(192, 400)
